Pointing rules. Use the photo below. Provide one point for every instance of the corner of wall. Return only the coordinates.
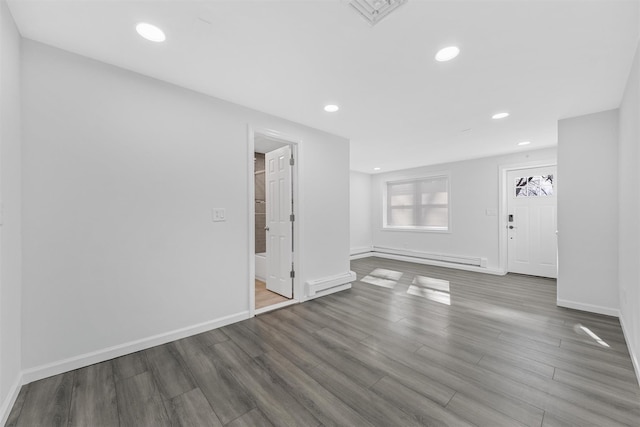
(587, 275)
(7, 404)
(10, 212)
(632, 353)
(629, 210)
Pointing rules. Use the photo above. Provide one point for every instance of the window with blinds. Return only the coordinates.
(418, 204)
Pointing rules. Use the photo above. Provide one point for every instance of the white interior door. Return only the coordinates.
(532, 221)
(279, 229)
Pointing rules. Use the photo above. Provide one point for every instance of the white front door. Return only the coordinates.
(531, 221)
(279, 226)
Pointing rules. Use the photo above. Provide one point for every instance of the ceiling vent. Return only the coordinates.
(375, 10)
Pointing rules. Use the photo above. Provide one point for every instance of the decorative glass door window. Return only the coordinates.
(534, 186)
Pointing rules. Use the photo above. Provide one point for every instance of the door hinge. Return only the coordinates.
(291, 161)
(292, 274)
(292, 217)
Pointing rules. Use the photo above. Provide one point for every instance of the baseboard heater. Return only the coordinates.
(451, 259)
(319, 285)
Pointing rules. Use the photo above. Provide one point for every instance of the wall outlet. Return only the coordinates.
(218, 215)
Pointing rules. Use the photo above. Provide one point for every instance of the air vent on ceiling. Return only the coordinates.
(375, 10)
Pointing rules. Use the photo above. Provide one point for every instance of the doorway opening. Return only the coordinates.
(273, 220)
(529, 220)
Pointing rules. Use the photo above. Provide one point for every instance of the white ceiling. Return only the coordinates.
(539, 60)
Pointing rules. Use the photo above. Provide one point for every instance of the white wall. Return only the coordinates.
(10, 238)
(588, 212)
(120, 174)
(629, 215)
(360, 211)
(474, 187)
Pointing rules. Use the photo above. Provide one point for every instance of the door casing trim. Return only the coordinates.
(296, 148)
(502, 203)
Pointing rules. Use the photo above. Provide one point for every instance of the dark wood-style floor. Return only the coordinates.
(421, 346)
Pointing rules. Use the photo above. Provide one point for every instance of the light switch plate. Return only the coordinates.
(491, 212)
(218, 215)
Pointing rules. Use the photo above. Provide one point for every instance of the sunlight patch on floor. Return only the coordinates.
(592, 335)
(437, 290)
(383, 278)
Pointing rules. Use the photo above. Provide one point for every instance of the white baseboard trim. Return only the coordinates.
(319, 285)
(419, 260)
(607, 311)
(634, 356)
(275, 306)
(361, 255)
(360, 250)
(10, 400)
(80, 361)
(464, 260)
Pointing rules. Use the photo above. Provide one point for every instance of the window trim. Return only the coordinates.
(412, 228)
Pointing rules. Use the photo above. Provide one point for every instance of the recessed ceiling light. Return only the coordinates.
(447, 53)
(499, 116)
(150, 32)
(331, 108)
(524, 143)
(376, 169)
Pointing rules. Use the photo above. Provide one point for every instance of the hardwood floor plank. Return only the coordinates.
(139, 402)
(499, 360)
(169, 371)
(93, 398)
(365, 323)
(422, 409)
(482, 390)
(346, 363)
(228, 398)
(47, 402)
(289, 316)
(537, 391)
(225, 394)
(387, 339)
(253, 418)
(602, 391)
(377, 410)
(551, 420)
(283, 344)
(191, 409)
(245, 339)
(375, 360)
(554, 396)
(310, 394)
(340, 356)
(211, 337)
(129, 365)
(315, 313)
(469, 409)
(627, 385)
(270, 395)
(592, 348)
(195, 353)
